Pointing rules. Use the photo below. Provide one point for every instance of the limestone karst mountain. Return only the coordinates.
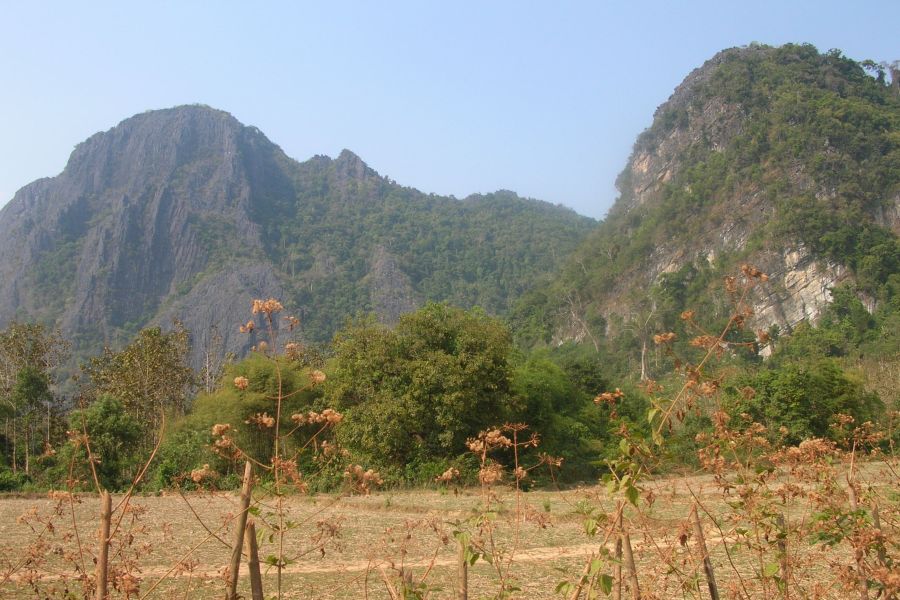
(187, 214)
(784, 158)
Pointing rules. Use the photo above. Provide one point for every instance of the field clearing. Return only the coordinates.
(387, 529)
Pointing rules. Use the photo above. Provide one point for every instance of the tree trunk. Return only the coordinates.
(240, 526)
(103, 554)
(643, 360)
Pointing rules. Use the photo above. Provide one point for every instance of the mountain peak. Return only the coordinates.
(350, 166)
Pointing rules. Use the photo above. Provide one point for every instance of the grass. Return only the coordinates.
(409, 529)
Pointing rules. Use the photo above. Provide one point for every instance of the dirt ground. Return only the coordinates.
(344, 547)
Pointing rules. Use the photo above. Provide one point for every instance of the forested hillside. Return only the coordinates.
(785, 158)
(186, 214)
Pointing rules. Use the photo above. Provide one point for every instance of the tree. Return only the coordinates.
(114, 437)
(29, 344)
(803, 399)
(29, 397)
(29, 354)
(149, 376)
(418, 391)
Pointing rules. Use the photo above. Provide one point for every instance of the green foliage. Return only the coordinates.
(149, 376)
(418, 391)
(29, 345)
(189, 445)
(12, 482)
(802, 398)
(333, 228)
(114, 437)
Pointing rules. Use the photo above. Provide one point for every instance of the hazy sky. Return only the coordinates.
(450, 97)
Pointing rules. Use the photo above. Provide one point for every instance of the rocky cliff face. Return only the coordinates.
(187, 214)
(762, 155)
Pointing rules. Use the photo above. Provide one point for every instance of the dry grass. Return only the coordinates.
(401, 528)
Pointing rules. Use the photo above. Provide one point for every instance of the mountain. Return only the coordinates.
(784, 158)
(187, 214)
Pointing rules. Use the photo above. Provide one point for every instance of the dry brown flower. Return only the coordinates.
(262, 420)
(448, 475)
(267, 307)
(362, 481)
(316, 377)
(609, 397)
(490, 474)
(241, 383)
(220, 429)
(705, 341)
(664, 338)
(202, 474)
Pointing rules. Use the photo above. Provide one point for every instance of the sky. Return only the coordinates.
(542, 98)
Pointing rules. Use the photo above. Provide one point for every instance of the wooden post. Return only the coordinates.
(863, 584)
(462, 572)
(707, 564)
(785, 559)
(876, 522)
(617, 572)
(256, 589)
(235, 566)
(103, 554)
(576, 592)
(632, 569)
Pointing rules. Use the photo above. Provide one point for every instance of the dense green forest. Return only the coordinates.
(409, 399)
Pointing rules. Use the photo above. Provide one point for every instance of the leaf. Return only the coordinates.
(596, 565)
(563, 587)
(606, 583)
(770, 569)
(632, 494)
(590, 527)
(651, 414)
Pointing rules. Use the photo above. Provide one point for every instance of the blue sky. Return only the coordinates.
(460, 97)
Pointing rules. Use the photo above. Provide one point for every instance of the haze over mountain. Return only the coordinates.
(187, 214)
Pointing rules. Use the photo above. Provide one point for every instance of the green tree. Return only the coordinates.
(415, 393)
(31, 398)
(187, 444)
(802, 398)
(29, 354)
(149, 376)
(114, 437)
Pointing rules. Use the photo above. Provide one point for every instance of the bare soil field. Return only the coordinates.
(174, 546)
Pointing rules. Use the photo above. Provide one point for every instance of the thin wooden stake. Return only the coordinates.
(256, 589)
(617, 572)
(462, 572)
(785, 559)
(863, 584)
(707, 563)
(241, 524)
(103, 554)
(632, 569)
(576, 592)
(876, 521)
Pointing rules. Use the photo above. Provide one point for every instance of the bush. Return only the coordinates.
(802, 400)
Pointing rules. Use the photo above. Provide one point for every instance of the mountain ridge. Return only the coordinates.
(778, 156)
(186, 213)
